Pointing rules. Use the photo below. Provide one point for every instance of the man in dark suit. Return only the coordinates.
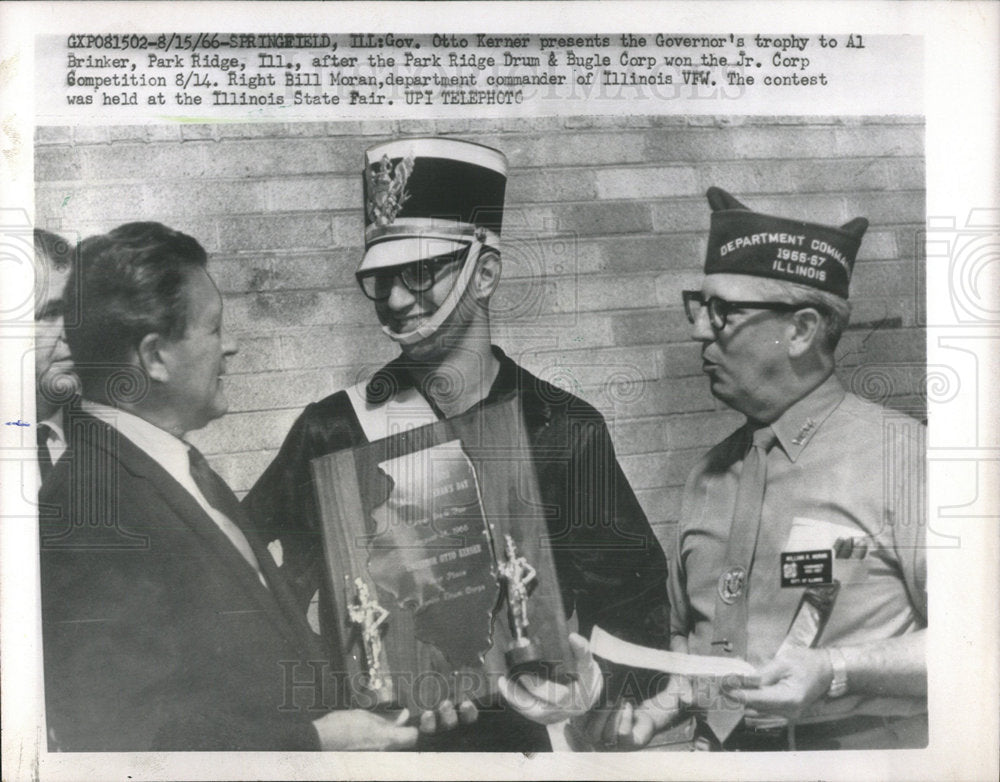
(166, 625)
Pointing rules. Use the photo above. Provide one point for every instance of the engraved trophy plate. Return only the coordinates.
(432, 551)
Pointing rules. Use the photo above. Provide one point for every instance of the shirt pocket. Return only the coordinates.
(851, 547)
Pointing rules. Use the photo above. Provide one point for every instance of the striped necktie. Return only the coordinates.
(221, 497)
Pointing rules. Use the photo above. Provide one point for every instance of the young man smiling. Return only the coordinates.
(433, 219)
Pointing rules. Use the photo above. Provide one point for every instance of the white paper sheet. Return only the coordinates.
(605, 645)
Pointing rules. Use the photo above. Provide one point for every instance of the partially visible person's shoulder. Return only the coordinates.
(333, 406)
(871, 420)
(327, 425)
(555, 400)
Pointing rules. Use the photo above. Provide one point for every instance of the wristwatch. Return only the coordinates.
(838, 685)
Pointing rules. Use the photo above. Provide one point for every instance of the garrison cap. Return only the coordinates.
(742, 241)
(430, 196)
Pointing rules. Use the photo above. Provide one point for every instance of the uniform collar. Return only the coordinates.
(797, 425)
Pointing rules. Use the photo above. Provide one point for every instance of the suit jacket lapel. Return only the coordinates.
(135, 461)
(280, 589)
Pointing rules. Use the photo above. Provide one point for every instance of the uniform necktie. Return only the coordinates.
(44, 458)
(221, 497)
(729, 628)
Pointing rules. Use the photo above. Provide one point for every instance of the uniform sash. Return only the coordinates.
(406, 410)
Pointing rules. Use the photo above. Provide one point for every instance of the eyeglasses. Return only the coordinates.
(720, 309)
(417, 277)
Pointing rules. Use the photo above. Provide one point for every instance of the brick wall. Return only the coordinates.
(606, 222)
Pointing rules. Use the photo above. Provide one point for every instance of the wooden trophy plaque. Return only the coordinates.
(438, 558)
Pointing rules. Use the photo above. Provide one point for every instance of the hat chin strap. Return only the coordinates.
(433, 323)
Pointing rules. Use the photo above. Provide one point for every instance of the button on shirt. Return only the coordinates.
(841, 468)
(171, 453)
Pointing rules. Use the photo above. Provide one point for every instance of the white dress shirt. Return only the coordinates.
(56, 441)
(171, 453)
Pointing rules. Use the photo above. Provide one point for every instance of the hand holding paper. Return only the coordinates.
(789, 684)
(631, 727)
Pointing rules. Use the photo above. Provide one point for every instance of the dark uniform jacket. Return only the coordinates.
(157, 634)
(610, 566)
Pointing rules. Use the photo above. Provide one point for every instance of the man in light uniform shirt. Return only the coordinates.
(801, 547)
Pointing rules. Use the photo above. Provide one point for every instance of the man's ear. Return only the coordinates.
(151, 357)
(807, 328)
(487, 275)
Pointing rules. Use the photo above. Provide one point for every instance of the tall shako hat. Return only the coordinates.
(741, 241)
(430, 196)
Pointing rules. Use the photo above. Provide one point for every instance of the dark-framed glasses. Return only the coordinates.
(720, 309)
(417, 277)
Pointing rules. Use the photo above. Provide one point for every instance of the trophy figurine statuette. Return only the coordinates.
(366, 612)
(519, 578)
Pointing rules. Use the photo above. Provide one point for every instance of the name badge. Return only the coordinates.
(806, 568)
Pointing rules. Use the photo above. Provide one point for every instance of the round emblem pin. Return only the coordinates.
(731, 584)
